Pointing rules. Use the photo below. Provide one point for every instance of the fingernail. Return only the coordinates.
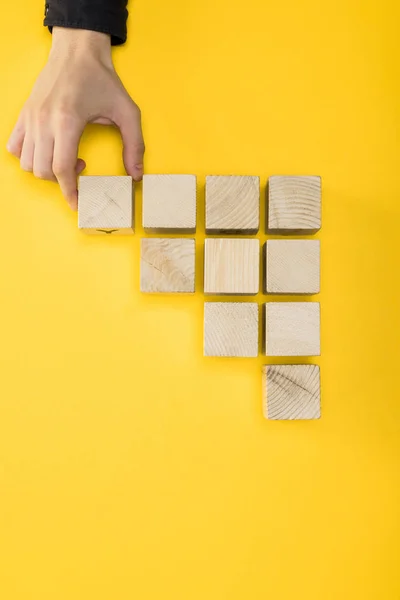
(72, 204)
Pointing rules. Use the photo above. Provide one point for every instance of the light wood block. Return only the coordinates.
(169, 203)
(231, 266)
(232, 204)
(231, 329)
(292, 329)
(292, 267)
(294, 205)
(167, 265)
(105, 205)
(291, 392)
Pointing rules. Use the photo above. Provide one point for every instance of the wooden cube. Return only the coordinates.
(231, 266)
(292, 329)
(292, 267)
(291, 392)
(169, 203)
(294, 205)
(105, 205)
(167, 265)
(232, 204)
(231, 329)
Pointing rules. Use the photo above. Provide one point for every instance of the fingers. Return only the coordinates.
(65, 161)
(50, 151)
(37, 156)
(129, 123)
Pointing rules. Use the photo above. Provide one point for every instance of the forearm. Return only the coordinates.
(105, 16)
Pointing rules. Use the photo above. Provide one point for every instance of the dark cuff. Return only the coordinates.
(105, 16)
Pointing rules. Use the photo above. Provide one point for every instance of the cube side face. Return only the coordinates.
(231, 266)
(294, 204)
(291, 392)
(292, 267)
(106, 205)
(169, 203)
(292, 329)
(167, 265)
(231, 329)
(232, 204)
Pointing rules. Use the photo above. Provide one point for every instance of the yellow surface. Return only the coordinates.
(130, 466)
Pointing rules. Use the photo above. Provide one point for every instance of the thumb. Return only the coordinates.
(129, 123)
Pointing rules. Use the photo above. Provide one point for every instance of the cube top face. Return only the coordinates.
(167, 265)
(105, 204)
(291, 392)
(232, 204)
(169, 203)
(294, 204)
(231, 329)
(231, 266)
(292, 329)
(292, 267)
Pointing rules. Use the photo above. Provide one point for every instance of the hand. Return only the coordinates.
(77, 86)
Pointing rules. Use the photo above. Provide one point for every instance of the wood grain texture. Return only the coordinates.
(105, 205)
(291, 392)
(294, 204)
(231, 329)
(169, 203)
(232, 204)
(231, 266)
(292, 329)
(167, 265)
(292, 267)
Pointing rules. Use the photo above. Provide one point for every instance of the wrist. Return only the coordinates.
(80, 42)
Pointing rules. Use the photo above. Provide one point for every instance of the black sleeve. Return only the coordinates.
(106, 16)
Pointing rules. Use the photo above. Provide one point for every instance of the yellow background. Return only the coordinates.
(131, 466)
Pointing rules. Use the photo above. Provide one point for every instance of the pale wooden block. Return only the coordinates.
(292, 267)
(292, 329)
(291, 392)
(294, 204)
(232, 204)
(169, 203)
(231, 329)
(105, 205)
(231, 266)
(167, 265)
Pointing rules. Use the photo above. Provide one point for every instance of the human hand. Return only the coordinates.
(78, 86)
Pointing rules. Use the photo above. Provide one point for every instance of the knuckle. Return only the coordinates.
(65, 119)
(60, 169)
(43, 174)
(12, 148)
(26, 166)
(139, 145)
(43, 115)
(140, 148)
(130, 107)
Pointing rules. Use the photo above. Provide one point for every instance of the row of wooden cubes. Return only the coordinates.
(232, 204)
(231, 329)
(231, 266)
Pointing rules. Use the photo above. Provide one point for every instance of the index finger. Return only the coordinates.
(65, 157)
